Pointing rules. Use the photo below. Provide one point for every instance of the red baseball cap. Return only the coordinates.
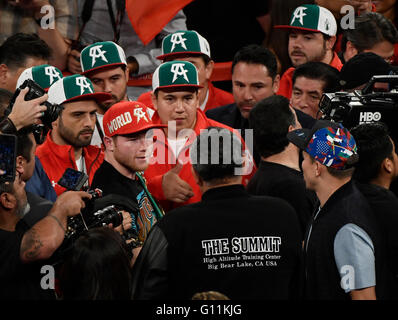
(128, 117)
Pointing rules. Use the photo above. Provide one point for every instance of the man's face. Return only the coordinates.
(306, 95)
(384, 49)
(133, 151)
(13, 74)
(179, 106)
(110, 80)
(76, 123)
(309, 168)
(250, 84)
(29, 166)
(394, 160)
(306, 46)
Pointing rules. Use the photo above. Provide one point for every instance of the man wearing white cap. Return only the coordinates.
(312, 35)
(67, 145)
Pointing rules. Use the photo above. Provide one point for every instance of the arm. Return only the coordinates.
(364, 294)
(47, 235)
(355, 261)
(24, 113)
(150, 274)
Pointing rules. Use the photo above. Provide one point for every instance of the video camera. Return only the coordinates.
(35, 91)
(377, 101)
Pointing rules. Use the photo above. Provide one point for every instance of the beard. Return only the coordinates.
(105, 106)
(23, 208)
(74, 140)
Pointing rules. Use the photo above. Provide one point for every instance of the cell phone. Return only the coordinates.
(73, 179)
(8, 155)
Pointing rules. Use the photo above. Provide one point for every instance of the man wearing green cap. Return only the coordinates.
(104, 63)
(312, 35)
(44, 75)
(68, 144)
(191, 46)
(175, 98)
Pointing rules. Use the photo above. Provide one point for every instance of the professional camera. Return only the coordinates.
(35, 91)
(99, 210)
(377, 101)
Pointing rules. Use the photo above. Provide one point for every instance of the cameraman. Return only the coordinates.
(23, 251)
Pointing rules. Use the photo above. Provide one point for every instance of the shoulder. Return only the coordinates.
(220, 110)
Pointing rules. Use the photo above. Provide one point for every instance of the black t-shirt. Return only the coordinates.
(384, 204)
(111, 181)
(276, 180)
(19, 281)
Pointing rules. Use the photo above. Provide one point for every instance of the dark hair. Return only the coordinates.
(374, 145)
(5, 97)
(96, 268)
(319, 71)
(338, 173)
(215, 154)
(370, 29)
(19, 47)
(24, 144)
(256, 54)
(270, 120)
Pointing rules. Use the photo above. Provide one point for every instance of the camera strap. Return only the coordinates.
(99, 129)
(158, 211)
(116, 23)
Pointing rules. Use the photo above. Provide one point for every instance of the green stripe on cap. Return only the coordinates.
(185, 41)
(314, 17)
(44, 75)
(68, 88)
(175, 73)
(101, 54)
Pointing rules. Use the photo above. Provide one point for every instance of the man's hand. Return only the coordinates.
(25, 113)
(174, 188)
(70, 203)
(74, 61)
(126, 223)
(361, 5)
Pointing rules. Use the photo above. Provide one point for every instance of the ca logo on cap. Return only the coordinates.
(139, 114)
(176, 38)
(95, 53)
(299, 14)
(83, 84)
(52, 73)
(179, 70)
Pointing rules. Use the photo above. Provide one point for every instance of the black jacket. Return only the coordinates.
(229, 242)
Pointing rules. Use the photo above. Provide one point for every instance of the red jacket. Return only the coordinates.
(286, 84)
(217, 98)
(154, 173)
(56, 159)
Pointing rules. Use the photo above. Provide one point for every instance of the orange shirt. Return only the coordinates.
(286, 84)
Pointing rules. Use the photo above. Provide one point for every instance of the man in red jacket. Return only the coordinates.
(175, 98)
(312, 35)
(67, 145)
(191, 46)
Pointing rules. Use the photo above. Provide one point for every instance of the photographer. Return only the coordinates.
(23, 251)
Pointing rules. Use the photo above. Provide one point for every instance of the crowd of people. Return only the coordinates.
(188, 189)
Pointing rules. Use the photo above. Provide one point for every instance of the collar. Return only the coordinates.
(338, 196)
(225, 192)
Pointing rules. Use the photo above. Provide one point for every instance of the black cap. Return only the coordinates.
(361, 68)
